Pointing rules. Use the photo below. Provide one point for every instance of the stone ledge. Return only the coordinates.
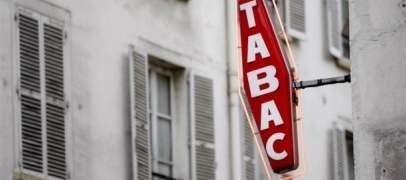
(344, 63)
(25, 176)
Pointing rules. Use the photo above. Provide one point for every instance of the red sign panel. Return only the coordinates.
(268, 85)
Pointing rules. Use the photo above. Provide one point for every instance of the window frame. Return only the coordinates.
(337, 52)
(349, 141)
(59, 18)
(153, 113)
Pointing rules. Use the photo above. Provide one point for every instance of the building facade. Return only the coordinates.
(137, 89)
(378, 39)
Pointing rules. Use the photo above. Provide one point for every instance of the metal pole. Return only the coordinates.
(321, 82)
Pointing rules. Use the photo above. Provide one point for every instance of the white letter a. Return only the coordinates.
(266, 117)
(256, 45)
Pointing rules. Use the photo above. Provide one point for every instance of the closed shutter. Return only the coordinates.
(280, 5)
(296, 18)
(335, 23)
(30, 92)
(42, 96)
(340, 153)
(203, 116)
(139, 115)
(55, 99)
(249, 150)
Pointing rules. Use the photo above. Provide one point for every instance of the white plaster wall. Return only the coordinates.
(190, 34)
(378, 51)
(7, 90)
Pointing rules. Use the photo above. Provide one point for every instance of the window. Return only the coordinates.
(338, 28)
(296, 18)
(159, 151)
(292, 14)
(41, 59)
(350, 154)
(281, 9)
(343, 153)
(161, 118)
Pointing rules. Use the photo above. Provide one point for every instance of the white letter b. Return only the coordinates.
(255, 83)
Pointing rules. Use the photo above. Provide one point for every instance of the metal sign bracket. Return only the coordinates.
(321, 82)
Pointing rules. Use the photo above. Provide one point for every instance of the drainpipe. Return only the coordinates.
(233, 98)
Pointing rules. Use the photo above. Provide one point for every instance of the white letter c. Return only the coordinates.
(270, 150)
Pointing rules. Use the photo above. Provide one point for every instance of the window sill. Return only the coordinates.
(344, 63)
(25, 176)
(162, 176)
(288, 38)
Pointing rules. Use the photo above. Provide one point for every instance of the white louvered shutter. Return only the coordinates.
(41, 58)
(139, 114)
(280, 5)
(203, 116)
(296, 18)
(250, 172)
(340, 153)
(30, 92)
(335, 25)
(55, 99)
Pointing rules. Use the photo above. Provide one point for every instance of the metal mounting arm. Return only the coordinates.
(321, 82)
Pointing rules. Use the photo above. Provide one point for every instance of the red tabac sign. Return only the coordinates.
(268, 85)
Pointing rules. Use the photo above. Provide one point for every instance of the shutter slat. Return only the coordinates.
(28, 65)
(204, 127)
(139, 99)
(28, 21)
(30, 131)
(53, 60)
(53, 31)
(55, 53)
(29, 39)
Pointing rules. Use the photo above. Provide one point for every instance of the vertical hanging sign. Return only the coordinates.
(268, 85)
